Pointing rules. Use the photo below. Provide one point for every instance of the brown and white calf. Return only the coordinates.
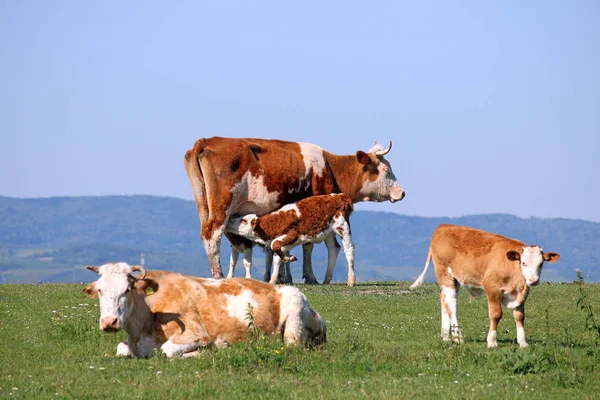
(503, 268)
(184, 314)
(310, 220)
(231, 176)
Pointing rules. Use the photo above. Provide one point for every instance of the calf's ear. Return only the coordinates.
(90, 290)
(551, 257)
(513, 255)
(363, 158)
(254, 223)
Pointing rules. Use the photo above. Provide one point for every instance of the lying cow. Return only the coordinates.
(185, 313)
(504, 268)
(310, 220)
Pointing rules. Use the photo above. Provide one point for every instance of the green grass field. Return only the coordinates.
(383, 343)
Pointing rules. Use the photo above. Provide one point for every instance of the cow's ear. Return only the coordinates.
(513, 255)
(363, 158)
(90, 290)
(551, 257)
(254, 223)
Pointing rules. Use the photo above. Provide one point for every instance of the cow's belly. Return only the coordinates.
(316, 238)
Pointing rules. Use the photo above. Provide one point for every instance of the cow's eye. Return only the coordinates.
(99, 292)
(128, 290)
(524, 264)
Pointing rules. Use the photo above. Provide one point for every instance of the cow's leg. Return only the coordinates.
(211, 238)
(178, 345)
(307, 269)
(288, 274)
(233, 260)
(333, 249)
(284, 243)
(248, 262)
(276, 265)
(268, 263)
(448, 303)
(519, 314)
(495, 312)
(123, 350)
(342, 228)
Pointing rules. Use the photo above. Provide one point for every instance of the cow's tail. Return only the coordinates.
(194, 172)
(422, 276)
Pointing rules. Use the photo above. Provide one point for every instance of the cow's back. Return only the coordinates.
(470, 253)
(292, 170)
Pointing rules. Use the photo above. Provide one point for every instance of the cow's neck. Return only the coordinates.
(348, 174)
(140, 316)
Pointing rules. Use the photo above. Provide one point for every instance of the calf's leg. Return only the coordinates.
(519, 314)
(495, 312)
(333, 249)
(248, 262)
(307, 269)
(233, 261)
(284, 243)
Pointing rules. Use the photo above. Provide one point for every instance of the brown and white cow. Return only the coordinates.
(503, 268)
(184, 314)
(232, 176)
(310, 220)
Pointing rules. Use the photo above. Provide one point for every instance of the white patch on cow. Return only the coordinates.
(251, 196)
(532, 260)
(521, 337)
(313, 159)
(293, 307)
(289, 207)
(172, 350)
(123, 350)
(450, 321)
(450, 273)
(492, 339)
(510, 300)
(113, 291)
(237, 306)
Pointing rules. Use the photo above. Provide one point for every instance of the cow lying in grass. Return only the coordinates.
(310, 220)
(504, 268)
(184, 314)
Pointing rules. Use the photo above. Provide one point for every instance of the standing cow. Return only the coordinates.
(256, 176)
(185, 314)
(310, 220)
(503, 268)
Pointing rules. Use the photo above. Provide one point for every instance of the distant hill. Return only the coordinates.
(51, 239)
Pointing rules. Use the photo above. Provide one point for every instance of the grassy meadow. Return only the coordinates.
(383, 343)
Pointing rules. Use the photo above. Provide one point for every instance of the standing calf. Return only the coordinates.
(504, 268)
(310, 220)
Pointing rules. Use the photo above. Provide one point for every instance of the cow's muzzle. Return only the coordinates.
(402, 195)
(109, 324)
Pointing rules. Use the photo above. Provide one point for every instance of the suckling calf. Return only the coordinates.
(503, 268)
(310, 220)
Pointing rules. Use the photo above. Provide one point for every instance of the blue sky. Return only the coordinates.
(492, 106)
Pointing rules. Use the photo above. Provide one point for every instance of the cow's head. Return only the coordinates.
(532, 259)
(114, 288)
(379, 182)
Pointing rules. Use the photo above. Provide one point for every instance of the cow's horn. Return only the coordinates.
(380, 153)
(139, 268)
(93, 268)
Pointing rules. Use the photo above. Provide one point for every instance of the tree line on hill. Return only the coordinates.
(52, 239)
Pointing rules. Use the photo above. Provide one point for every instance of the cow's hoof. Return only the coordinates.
(289, 259)
(311, 281)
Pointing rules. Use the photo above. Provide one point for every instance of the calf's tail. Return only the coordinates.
(422, 276)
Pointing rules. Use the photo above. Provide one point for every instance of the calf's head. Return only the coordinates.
(532, 259)
(379, 182)
(114, 289)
